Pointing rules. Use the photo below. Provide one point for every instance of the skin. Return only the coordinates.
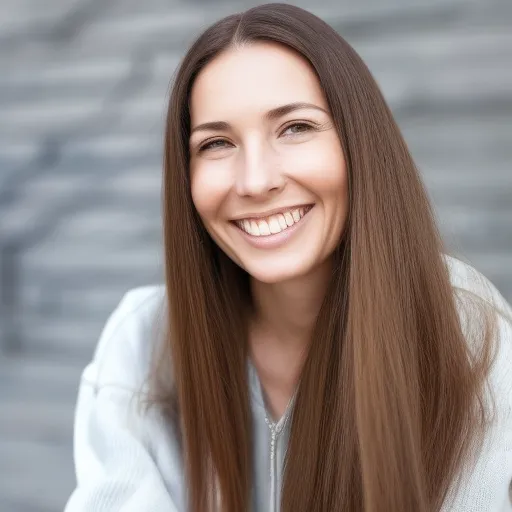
(254, 165)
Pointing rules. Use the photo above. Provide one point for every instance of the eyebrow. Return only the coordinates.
(271, 115)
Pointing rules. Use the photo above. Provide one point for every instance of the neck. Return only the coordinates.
(286, 311)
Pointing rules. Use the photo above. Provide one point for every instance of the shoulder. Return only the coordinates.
(465, 278)
(123, 353)
(468, 282)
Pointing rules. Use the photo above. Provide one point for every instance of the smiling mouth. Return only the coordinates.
(273, 224)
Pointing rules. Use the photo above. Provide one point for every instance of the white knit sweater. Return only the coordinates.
(130, 462)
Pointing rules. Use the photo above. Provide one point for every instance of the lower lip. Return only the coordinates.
(277, 239)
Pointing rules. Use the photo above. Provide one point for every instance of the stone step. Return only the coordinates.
(490, 81)
(53, 380)
(15, 155)
(477, 194)
(46, 297)
(41, 420)
(49, 196)
(157, 31)
(439, 46)
(147, 112)
(62, 325)
(35, 476)
(131, 147)
(38, 284)
(64, 77)
(472, 229)
(112, 219)
(140, 183)
(115, 224)
(92, 257)
(127, 29)
(19, 16)
(38, 118)
(60, 337)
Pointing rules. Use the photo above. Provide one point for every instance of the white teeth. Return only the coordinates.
(255, 230)
(289, 219)
(264, 228)
(273, 224)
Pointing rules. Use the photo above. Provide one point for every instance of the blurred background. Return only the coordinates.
(83, 89)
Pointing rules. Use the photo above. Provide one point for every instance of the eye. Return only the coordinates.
(299, 127)
(217, 143)
(296, 129)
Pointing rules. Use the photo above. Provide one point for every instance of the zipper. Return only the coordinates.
(276, 428)
(273, 469)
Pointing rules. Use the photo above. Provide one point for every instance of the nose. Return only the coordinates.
(259, 173)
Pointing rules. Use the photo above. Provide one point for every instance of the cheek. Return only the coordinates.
(210, 185)
(321, 168)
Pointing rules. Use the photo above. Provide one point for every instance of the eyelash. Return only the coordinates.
(309, 125)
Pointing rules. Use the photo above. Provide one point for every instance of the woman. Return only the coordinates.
(314, 348)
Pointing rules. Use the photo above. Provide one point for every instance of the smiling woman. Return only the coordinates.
(314, 348)
(275, 154)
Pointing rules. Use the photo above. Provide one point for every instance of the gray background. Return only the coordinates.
(83, 88)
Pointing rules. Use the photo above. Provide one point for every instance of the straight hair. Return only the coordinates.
(390, 405)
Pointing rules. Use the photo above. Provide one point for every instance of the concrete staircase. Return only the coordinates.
(82, 99)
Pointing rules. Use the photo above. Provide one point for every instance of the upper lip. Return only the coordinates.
(268, 213)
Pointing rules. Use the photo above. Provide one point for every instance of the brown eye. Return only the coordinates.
(212, 145)
(298, 128)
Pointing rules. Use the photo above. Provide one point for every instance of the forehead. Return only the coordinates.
(253, 78)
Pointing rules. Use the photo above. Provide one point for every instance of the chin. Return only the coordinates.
(275, 275)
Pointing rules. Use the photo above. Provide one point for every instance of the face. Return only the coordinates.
(268, 174)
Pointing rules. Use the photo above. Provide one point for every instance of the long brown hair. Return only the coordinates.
(390, 404)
